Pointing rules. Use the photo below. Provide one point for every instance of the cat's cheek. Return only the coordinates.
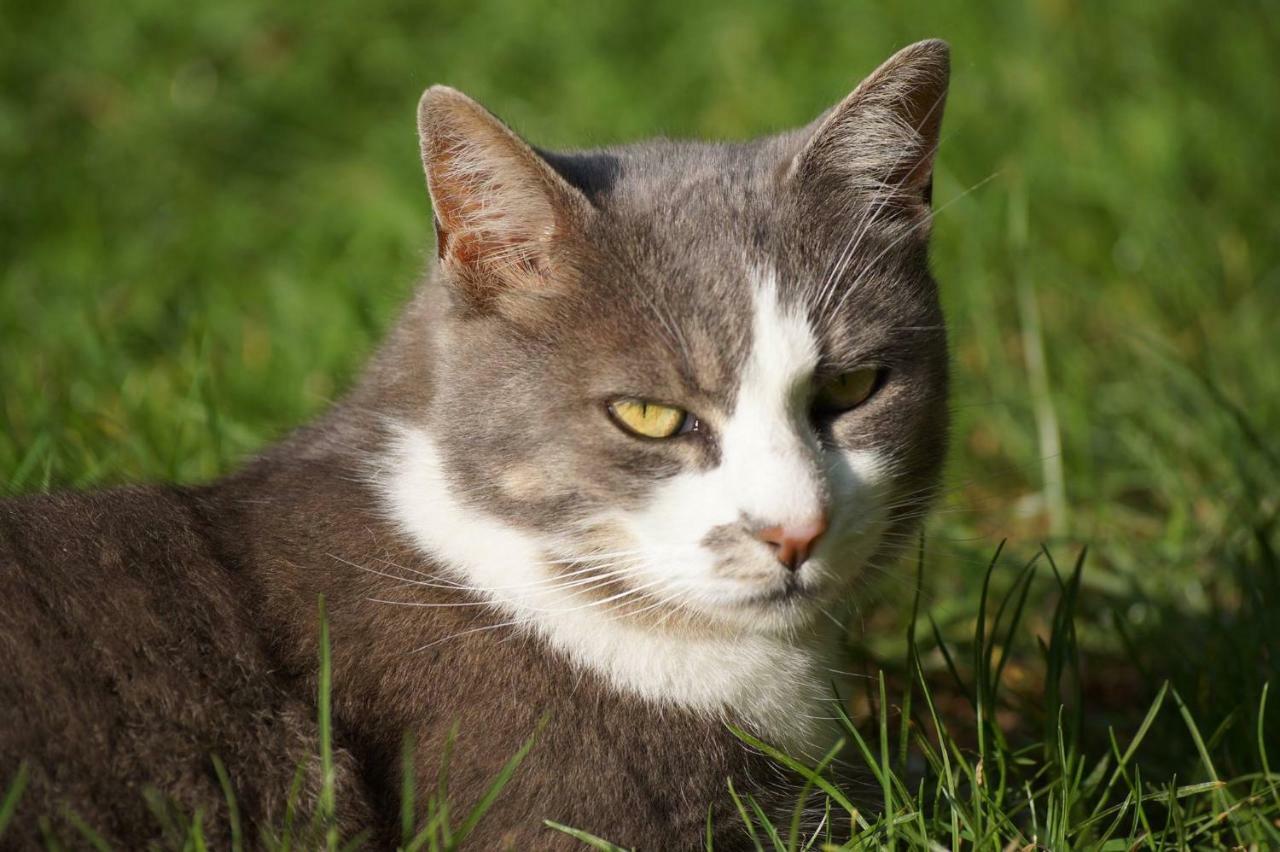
(859, 480)
(855, 476)
(670, 528)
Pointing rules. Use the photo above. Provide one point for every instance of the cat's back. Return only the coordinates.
(126, 661)
(97, 583)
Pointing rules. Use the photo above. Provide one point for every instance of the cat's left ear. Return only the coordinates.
(501, 211)
(879, 142)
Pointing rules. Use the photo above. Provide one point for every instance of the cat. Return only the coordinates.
(653, 412)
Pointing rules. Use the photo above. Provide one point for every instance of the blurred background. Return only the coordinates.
(210, 212)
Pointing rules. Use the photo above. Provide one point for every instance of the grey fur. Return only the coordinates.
(142, 629)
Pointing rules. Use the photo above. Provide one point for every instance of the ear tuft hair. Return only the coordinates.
(880, 141)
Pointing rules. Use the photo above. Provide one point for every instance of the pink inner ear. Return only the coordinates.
(494, 213)
(482, 251)
(488, 262)
(498, 204)
(478, 239)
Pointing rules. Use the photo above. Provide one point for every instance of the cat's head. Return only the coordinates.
(704, 381)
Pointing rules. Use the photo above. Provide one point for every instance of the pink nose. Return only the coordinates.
(792, 543)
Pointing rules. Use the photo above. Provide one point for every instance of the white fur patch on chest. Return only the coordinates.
(772, 685)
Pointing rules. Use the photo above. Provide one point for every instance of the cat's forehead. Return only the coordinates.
(657, 172)
(697, 226)
(687, 216)
(712, 211)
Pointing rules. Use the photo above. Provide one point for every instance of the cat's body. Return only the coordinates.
(493, 550)
(144, 630)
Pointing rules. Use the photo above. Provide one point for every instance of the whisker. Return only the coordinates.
(910, 231)
(468, 632)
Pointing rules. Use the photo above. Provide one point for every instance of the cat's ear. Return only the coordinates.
(500, 209)
(879, 142)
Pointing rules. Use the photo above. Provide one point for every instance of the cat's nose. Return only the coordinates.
(792, 543)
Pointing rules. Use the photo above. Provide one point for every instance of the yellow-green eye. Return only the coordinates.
(649, 419)
(847, 391)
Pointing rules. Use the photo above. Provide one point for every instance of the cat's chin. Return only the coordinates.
(775, 608)
(789, 592)
(774, 614)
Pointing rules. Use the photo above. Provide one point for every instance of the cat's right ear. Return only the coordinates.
(879, 143)
(500, 210)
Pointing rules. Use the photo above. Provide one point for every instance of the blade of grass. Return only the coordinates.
(195, 834)
(947, 776)
(904, 730)
(585, 837)
(408, 788)
(163, 812)
(52, 843)
(745, 817)
(767, 824)
(496, 786)
(1122, 760)
(291, 809)
(1262, 748)
(357, 842)
(233, 808)
(886, 770)
(1015, 619)
(793, 833)
(17, 787)
(1203, 751)
(797, 767)
(950, 663)
(327, 772)
(442, 787)
(88, 834)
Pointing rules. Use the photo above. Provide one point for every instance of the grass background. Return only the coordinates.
(210, 212)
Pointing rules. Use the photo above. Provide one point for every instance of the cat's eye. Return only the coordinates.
(846, 391)
(651, 419)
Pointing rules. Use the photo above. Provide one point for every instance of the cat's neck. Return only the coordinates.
(777, 685)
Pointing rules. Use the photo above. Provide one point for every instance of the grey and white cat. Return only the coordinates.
(654, 411)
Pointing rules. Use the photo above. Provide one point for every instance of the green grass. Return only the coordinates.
(210, 213)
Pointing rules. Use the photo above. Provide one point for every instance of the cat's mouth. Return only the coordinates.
(791, 592)
(796, 590)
